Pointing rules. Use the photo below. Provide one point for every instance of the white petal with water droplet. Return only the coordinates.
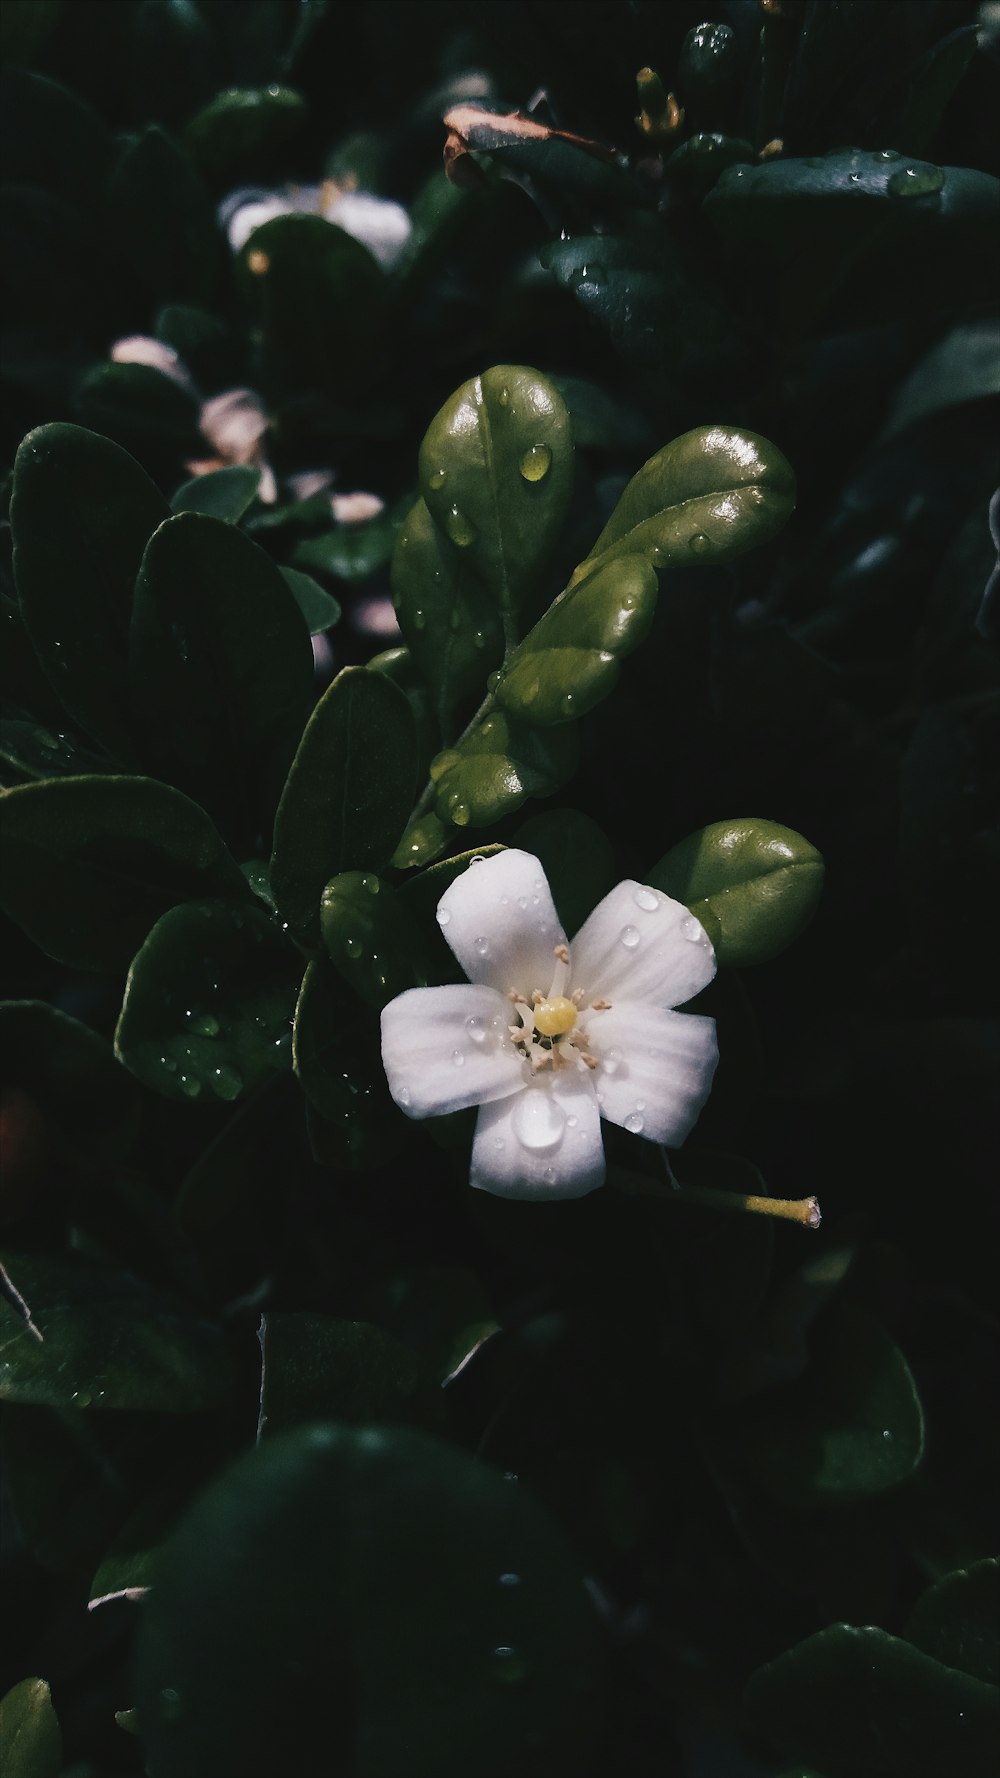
(523, 1150)
(425, 1029)
(487, 905)
(655, 963)
(665, 1072)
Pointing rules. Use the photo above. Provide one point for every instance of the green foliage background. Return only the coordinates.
(315, 1461)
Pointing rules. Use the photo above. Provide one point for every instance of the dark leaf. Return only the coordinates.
(753, 885)
(319, 608)
(70, 1073)
(30, 1738)
(164, 222)
(370, 937)
(317, 300)
(222, 494)
(315, 1367)
(570, 660)
(338, 1060)
(958, 1621)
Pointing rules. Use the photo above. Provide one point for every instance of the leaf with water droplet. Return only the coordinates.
(29, 1731)
(448, 616)
(338, 1062)
(500, 763)
(575, 649)
(228, 1047)
(753, 886)
(371, 939)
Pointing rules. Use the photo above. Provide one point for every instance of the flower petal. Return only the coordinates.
(544, 1142)
(446, 1048)
(638, 944)
(656, 1068)
(500, 920)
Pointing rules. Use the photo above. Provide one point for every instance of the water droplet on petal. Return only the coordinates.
(633, 1123)
(693, 930)
(457, 1059)
(459, 527)
(403, 1095)
(536, 463)
(478, 1030)
(646, 899)
(613, 1061)
(481, 946)
(571, 1122)
(699, 543)
(539, 1120)
(498, 1143)
(443, 916)
(629, 937)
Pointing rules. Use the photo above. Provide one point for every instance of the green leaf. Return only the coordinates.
(145, 411)
(338, 1060)
(351, 552)
(319, 608)
(753, 885)
(708, 73)
(234, 136)
(862, 1704)
(30, 1738)
(204, 345)
(351, 786)
(86, 1336)
(570, 660)
(498, 765)
(705, 156)
(87, 1100)
(446, 613)
(963, 366)
(208, 1003)
(370, 938)
(707, 497)
(424, 840)
(29, 751)
(51, 136)
(374, 1601)
(317, 300)
(577, 857)
(82, 512)
(958, 1621)
(564, 165)
(316, 1367)
(222, 494)
(220, 667)
(163, 220)
(853, 1426)
(496, 474)
(92, 863)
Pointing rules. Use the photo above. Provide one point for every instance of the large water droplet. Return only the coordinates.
(693, 930)
(647, 900)
(539, 1120)
(443, 916)
(536, 463)
(226, 1083)
(459, 527)
(438, 477)
(478, 1030)
(629, 937)
(699, 543)
(633, 1123)
(459, 812)
(916, 182)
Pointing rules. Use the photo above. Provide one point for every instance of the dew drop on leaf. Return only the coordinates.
(914, 182)
(699, 543)
(459, 527)
(536, 463)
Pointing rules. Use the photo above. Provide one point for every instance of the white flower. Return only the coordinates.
(548, 1038)
(378, 223)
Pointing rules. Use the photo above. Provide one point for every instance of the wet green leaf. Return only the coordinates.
(753, 885)
(499, 764)
(220, 668)
(222, 494)
(496, 474)
(708, 73)
(86, 1336)
(851, 1427)
(82, 512)
(319, 608)
(208, 1003)
(705, 498)
(958, 1621)
(424, 840)
(317, 299)
(862, 1704)
(338, 1060)
(163, 220)
(30, 1738)
(87, 1100)
(705, 156)
(316, 1367)
(570, 660)
(370, 937)
(577, 857)
(30, 750)
(233, 137)
(333, 1572)
(351, 786)
(92, 863)
(446, 613)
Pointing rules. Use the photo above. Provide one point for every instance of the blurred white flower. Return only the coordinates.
(378, 223)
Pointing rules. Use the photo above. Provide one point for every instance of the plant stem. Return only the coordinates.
(805, 1211)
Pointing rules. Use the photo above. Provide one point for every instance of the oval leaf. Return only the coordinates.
(753, 885)
(92, 863)
(30, 1738)
(370, 938)
(222, 494)
(498, 765)
(317, 302)
(446, 613)
(82, 511)
(350, 789)
(319, 608)
(208, 1002)
(958, 1621)
(570, 660)
(338, 1060)
(316, 1367)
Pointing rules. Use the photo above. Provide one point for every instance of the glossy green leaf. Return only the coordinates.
(601, 422)
(447, 614)
(499, 764)
(853, 1426)
(316, 1367)
(343, 1600)
(705, 498)
(233, 136)
(317, 300)
(220, 668)
(351, 786)
(424, 840)
(208, 1003)
(577, 857)
(163, 220)
(82, 512)
(708, 73)
(561, 164)
(222, 494)
(496, 474)
(92, 863)
(863, 1704)
(351, 552)
(87, 1100)
(31, 750)
(571, 659)
(319, 608)
(958, 1621)
(753, 885)
(705, 156)
(85, 1336)
(338, 1060)
(370, 937)
(30, 1737)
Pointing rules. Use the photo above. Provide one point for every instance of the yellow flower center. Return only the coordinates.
(553, 1018)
